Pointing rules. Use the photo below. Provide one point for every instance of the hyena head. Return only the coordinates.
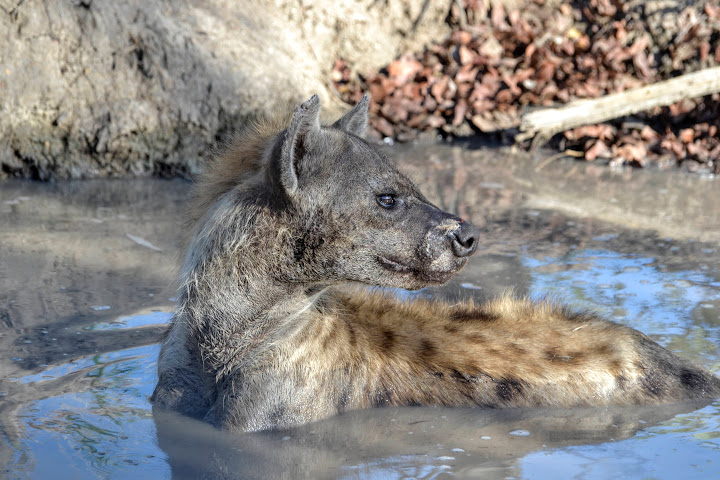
(359, 219)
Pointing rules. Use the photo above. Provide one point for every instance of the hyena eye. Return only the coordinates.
(386, 200)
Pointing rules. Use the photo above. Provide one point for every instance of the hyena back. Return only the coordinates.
(268, 333)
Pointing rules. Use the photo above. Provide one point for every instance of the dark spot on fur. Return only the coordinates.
(437, 374)
(603, 350)
(351, 307)
(451, 328)
(471, 315)
(427, 349)
(615, 367)
(307, 246)
(555, 355)
(478, 338)
(574, 358)
(353, 335)
(299, 249)
(692, 380)
(463, 315)
(621, 382)
(460, 376)
(312, 290)
(517, 349)
(508, 390)
(388, 340)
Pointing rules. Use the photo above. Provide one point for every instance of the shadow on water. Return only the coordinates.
(85, 271)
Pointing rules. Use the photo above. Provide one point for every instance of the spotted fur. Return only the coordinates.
(273, 328)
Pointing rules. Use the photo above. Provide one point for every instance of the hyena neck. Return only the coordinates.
(231, 298)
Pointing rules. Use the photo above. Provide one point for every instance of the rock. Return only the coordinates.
(145, 87)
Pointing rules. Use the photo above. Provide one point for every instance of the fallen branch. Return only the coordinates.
(543, 124)
(550, 159)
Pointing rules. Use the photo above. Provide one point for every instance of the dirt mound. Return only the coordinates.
(143, 87)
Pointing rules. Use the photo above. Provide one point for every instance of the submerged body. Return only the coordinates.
(268, 334)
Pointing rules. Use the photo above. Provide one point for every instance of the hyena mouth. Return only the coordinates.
(394, 266)
(428, 276)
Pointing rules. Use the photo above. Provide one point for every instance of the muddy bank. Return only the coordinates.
(93, 89)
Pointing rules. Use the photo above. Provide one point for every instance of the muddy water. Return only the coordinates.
(86, 274)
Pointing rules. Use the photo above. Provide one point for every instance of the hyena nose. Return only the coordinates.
(465, 239)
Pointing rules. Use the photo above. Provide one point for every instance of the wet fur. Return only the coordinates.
(269, 334)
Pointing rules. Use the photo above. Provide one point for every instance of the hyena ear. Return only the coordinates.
(303, 132)
(356, 120)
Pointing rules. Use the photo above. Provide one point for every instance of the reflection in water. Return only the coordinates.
(152, 318)
(107, 429)
(104, 431)
(390, 443)
(637, 292)
(402, 466)
(686, 447)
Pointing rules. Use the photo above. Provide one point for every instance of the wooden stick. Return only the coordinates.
(547, 122)
(566, 153)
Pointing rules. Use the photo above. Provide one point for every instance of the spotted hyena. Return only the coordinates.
(276, 326)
